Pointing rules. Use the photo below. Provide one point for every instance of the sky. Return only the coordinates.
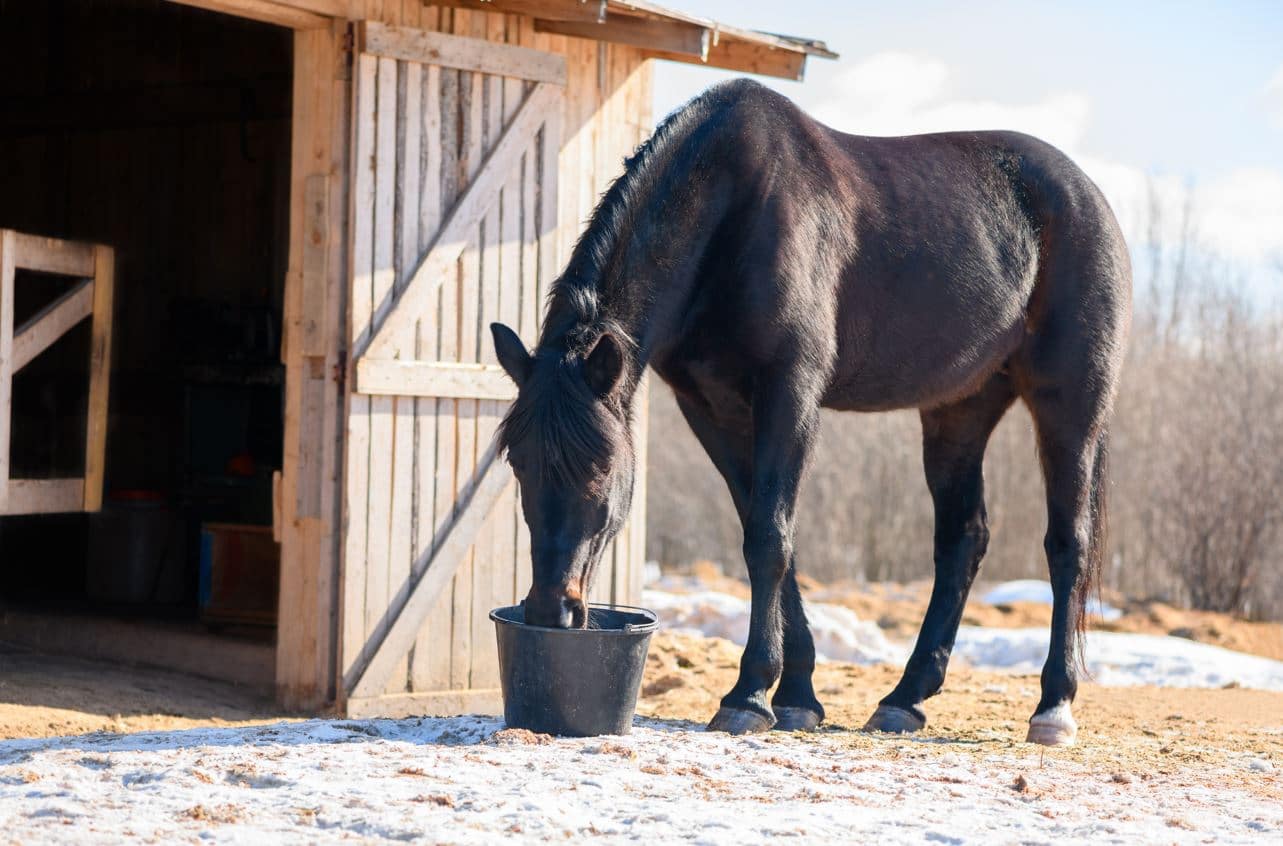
(1181, 96)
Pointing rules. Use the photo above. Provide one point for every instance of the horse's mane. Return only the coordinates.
(581, 296)
(578, 433)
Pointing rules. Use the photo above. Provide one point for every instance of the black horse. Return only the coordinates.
(767, 266)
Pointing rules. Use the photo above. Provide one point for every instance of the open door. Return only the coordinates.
(454, 215)
(91, 265)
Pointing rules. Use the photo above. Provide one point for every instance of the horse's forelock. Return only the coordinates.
(572, 435)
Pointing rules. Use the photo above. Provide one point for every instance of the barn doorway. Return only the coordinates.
(162, 131)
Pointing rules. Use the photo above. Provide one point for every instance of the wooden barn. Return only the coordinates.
(248, 249)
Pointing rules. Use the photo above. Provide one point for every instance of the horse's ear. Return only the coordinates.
(512, 353)
(604, 365)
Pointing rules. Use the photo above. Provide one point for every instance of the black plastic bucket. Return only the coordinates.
(574, 682)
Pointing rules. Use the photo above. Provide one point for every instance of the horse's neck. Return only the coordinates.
(644, 286)
(661, 271)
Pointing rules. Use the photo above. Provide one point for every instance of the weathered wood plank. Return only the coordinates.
(378, 590)
(45, 496)
(51, 323)
(99, 376)
(439, 703)
(430, 658)
(457, 537)
(434, 379)
(453, 51)
(688, 39)
(460, 225)
(53, 255)
(401, 539)
(281, 14)
(590, 12)
(510, 272)
(361, 309)
(743, 56)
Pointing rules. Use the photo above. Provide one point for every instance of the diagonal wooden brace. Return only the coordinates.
(451, 544)
(397, 315)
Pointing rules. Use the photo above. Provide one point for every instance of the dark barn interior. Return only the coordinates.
(164, 132)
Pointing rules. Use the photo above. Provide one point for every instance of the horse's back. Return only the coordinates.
(952, 235)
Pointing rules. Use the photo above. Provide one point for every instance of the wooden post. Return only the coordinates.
(99, 377)
(6, 359)
(307, 491)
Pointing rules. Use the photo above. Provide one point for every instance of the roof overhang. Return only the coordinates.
(660, 33)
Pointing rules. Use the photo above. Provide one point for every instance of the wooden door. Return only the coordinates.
(93, 266)
(454, 215)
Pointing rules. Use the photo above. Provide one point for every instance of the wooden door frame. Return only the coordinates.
(307, 495)
(381, 367)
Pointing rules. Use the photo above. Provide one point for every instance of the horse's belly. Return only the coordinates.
(901, 362)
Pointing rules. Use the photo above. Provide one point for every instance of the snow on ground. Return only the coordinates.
(1121, 660)
(1114, 658)
(1039, 591)
(839, 634)
(460, 780)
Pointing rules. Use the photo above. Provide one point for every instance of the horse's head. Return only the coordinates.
(568, 440)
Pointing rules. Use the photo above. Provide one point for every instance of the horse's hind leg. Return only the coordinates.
(953, 447)
(1071, 441)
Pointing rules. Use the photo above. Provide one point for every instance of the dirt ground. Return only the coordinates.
(50, 696)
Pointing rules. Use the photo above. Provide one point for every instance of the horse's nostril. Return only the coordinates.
(576, 611)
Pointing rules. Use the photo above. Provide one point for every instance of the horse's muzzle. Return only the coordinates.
(557, 609)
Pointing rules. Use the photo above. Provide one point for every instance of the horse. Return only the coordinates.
(766, 266)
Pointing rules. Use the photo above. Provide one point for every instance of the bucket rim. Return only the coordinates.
(634, 628)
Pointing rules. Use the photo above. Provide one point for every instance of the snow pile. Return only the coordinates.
(1039, 592)
(839, 634)
(1114, 658)
(1120, 660)
(461, 780)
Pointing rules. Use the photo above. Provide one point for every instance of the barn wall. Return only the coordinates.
(388, 516)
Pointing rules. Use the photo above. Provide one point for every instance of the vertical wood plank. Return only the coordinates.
(324, 536)
(379, 493)
(511, 272)
(430, 666)
(470, 115)
(6, 359)
(361, 310)
(406, 241)
(99, 376)
(488, 567)
(436, 630)
(434, 653)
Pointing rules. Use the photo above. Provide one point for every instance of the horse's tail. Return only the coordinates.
(1089, 583)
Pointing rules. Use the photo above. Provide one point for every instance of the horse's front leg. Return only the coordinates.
(785, 423)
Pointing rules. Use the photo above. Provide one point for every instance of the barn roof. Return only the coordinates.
(660, 32)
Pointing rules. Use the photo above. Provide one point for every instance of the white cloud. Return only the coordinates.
(901, 94)
(1238, 214)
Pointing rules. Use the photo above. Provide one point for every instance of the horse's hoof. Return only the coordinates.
(1053, 727)
(894, 720)
(793, 718)
(737, 721)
